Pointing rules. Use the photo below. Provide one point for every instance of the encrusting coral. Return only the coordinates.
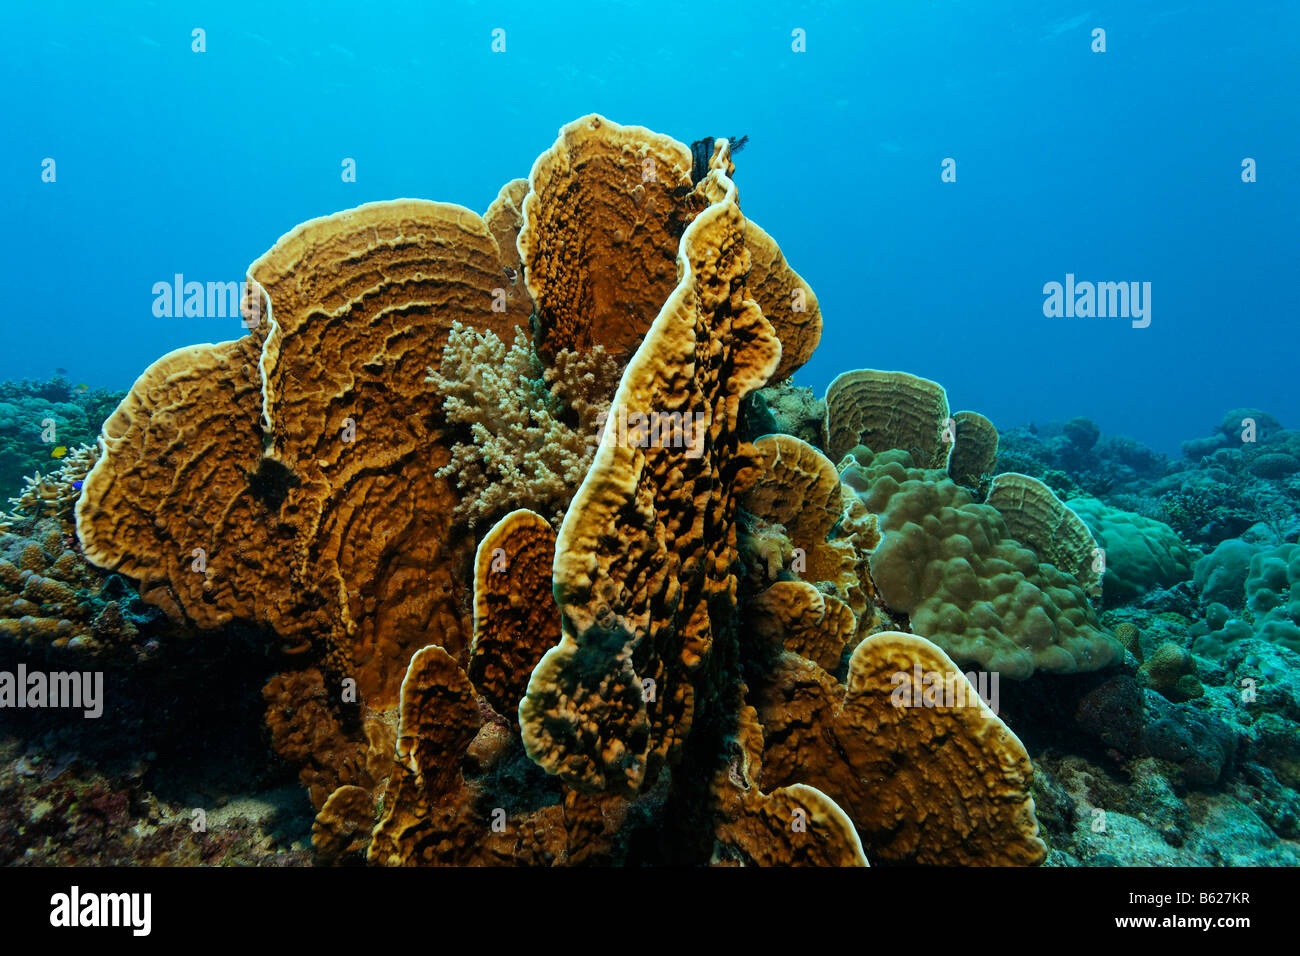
(515, 619)
(307, 478)
(886, 410)
(974, 451)
(883, 411)
(504, 218)
(893, 733)
(926, 771)
(800, 619)
(601, 277)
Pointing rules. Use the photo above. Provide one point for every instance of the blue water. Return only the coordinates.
(1115, 166)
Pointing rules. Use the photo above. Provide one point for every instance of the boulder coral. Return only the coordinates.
(1142, 554)
(953, 567)
(1270, 609)
(1171, 670)
(1220, 576)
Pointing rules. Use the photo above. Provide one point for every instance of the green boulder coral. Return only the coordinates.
(966, 584)
(1142, 554)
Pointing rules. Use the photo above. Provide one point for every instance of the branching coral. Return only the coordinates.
(52, 495)
(37, 418)
(532, 431)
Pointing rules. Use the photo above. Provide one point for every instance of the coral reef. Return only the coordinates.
(1074, 459)
(485, 612)
(61, 813)
(53, 494)
(1221, 488)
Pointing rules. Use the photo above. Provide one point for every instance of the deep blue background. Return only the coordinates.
(1115, 166)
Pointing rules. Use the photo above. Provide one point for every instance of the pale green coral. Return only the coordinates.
(1272, 606)
(1142, 554)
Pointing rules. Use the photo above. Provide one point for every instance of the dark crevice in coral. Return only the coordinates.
(271, 483)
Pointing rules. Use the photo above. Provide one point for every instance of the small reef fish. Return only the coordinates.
(83, 388)
(59, 452)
